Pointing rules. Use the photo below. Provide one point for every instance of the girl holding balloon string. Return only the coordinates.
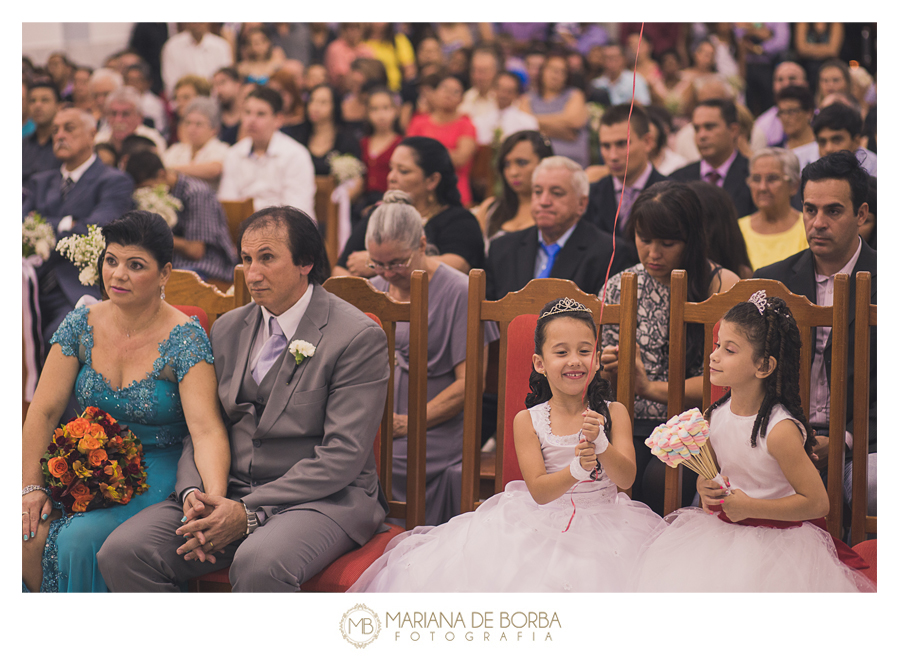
(760, 533)
(573, 454)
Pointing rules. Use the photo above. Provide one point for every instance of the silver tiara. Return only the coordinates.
(565, 305)
(758, 299)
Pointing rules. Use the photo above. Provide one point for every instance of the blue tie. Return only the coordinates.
(271, 351)
(551, 251)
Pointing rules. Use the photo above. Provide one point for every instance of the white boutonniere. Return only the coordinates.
(300, 349)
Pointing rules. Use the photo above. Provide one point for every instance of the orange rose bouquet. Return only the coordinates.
(94, 462)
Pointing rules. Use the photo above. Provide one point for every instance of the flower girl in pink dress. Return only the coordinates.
(757, 535)
(527, 538)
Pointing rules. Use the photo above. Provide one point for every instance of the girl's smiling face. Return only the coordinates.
(566, 356)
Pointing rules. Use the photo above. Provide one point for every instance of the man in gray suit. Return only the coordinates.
(302, 487)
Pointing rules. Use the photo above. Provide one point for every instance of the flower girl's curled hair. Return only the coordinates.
(598, 389)
(770, 327)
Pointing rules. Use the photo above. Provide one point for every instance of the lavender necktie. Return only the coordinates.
(271, 351)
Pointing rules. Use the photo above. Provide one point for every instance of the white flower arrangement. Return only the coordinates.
(300, 350)
(38, 237)
(345, 167)
(84, 251)
(157, 199)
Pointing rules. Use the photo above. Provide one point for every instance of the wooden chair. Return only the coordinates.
(344, 571)
(808, 317)
(241, 291)
(516, 316)
(861, 523)
(186, 288)
(482, 176)
(327, 216)
(237, 212)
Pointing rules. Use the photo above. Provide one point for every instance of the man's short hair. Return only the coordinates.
(304, 239)
(107, 74)
(44, 83)
(86, 118)
(725, 106)
(143, 166)
(580, 182)
(268, 95)
(841, 165)
(640, 122)
(230, 71)
(797, 93)
(128, 95)
(838, 116)
(488, 49)
(514, 76)
(141, 67)
(134, 144)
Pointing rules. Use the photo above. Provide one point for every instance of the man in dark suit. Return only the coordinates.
(558, 245)
(37, 148)
(834, 207)
(302, 487)
(716, 131)
(83, 191)
(604, 196)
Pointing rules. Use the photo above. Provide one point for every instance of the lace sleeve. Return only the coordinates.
(74, 335)
(186, 346)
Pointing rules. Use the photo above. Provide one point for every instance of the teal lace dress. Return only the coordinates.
(152, 410)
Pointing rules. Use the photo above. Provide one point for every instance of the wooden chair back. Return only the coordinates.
(236, 212)
(516, 347)
(241, 291)
(327, 216)
(482, 176)
(866, 317)
(362, 295)
(186, 288)
(808, 317)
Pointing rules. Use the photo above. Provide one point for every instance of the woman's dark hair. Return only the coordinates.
(662, 119)
(724, 241)
(670, 210)
(431, 156)
(598, 389)
(772, 333)
(304, 239)
(508, 203)
(372, 90)
(336, 116)
(143, 229)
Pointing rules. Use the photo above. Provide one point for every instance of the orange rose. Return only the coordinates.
(67, 477)
(97, 457)
(92, 412)
(57, 466)
(88, 443)
(81, 503)
(127, 496)
(78, 427)
(97, 431)
(80, 490)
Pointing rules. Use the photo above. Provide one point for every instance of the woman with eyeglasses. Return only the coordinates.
(775, 231)
(396, 247)
(421, 167)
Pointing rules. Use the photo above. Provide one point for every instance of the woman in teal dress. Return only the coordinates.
(148, 365)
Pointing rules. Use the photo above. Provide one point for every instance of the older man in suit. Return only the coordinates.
(716, 131)
(81, 192)
(302, 489)
(834, 191)
(558, 246)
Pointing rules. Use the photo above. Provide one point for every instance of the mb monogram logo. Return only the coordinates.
(360, 626)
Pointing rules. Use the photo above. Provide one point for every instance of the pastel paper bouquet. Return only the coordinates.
(683, 440)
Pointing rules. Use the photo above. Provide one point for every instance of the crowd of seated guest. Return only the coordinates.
(735, 114)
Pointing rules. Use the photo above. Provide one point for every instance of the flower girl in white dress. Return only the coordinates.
(757, 536)
(565, 528)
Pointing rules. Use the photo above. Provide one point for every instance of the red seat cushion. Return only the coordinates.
(520, 347)
(220, 576)
(199, 312)
(346, 570)
(868, 551)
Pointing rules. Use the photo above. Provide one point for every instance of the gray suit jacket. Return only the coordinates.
(310, 447)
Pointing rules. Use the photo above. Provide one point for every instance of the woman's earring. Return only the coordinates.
(162, 292)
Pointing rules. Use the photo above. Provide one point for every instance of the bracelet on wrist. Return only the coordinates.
(35, 487)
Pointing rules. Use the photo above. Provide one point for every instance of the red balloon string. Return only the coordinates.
(615, 233)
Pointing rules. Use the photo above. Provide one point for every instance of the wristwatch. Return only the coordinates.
(252, 520)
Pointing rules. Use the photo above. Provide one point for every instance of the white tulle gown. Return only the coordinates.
(512, 544)
(694, 551)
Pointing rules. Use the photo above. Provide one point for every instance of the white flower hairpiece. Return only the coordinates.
(300, 349)
(758, 299)
(566, 305)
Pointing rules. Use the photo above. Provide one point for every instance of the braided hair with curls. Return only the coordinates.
(598, 389)
(772, 333)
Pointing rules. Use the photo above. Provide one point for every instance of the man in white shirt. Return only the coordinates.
(196, 51)
(480, 101)
(267, 165)
(618, 81)
(838, 127)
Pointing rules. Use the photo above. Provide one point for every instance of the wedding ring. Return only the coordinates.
(24, 513)
(211, 547)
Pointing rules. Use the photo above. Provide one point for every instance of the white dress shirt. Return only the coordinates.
(283, 176)
(288, 321)
(181, 56)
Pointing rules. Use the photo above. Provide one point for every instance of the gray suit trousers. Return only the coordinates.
(290, 548)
